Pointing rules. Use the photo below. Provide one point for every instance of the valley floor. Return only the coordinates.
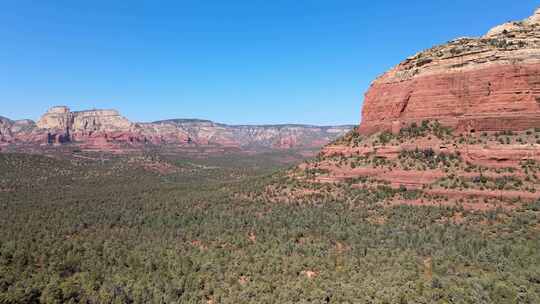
(160, 229)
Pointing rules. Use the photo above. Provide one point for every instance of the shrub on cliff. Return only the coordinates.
(385, 137)
(424, 129)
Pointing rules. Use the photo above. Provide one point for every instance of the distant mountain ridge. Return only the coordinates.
(279, 125)
(100, 129)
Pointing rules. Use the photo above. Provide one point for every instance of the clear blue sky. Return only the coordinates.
(251, 61)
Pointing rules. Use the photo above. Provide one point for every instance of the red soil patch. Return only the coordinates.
(310, 274)
(252, 237)
(199, 244)
(341, 247)
(243, 280)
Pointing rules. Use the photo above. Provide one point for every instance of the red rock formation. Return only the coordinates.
(490, 83)
(5, 129)
(472, 85)
(492, 156)
(108, 130)
(64, 126)
(287, 142)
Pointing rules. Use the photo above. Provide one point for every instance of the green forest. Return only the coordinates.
(112, 231)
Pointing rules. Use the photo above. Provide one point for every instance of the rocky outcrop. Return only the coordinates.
(63, 126)
(491, 83)
(56, 118)
(424, 167)
(5, 129)
(465, 122)
(61, 118)
(489, 156)
(22, 130)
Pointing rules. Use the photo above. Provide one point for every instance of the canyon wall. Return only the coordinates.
(273, 136)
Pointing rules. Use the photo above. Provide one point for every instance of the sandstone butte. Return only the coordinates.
(107, 130)
(458, 121)
(491, 83)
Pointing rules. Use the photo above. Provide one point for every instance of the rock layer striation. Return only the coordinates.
(491, 83)
(106, 129)
(465, 122)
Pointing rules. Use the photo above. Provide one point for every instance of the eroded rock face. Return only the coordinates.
(56, 118)
(63, 126)
(5, 129)
(491, 83)
(108, 130)
(251, 136)
(61, 118)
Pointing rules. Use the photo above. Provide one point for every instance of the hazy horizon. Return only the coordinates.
(184, 118)
(240, 62)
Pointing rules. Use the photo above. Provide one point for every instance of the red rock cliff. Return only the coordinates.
(490, 83)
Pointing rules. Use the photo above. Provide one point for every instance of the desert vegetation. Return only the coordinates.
(117, 231)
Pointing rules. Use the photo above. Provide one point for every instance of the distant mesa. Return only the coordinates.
(491, 83)
(102, 130)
